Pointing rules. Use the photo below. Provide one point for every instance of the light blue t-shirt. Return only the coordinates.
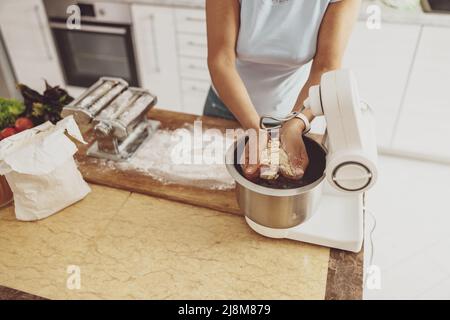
(277, 41)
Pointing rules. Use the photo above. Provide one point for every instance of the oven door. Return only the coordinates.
(438, 6)
(95, 51)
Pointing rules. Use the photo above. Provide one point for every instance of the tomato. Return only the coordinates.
(7, 132)
(23, 123)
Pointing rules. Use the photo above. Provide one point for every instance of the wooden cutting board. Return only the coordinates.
(135, 181)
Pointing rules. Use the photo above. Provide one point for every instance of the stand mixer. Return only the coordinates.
(329, 211)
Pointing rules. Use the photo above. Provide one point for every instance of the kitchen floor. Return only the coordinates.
(411, 239)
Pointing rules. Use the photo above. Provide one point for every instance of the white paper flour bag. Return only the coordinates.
(39, 167)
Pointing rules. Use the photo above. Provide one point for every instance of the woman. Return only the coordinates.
(263, 55)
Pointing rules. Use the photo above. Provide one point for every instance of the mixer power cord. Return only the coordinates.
(371, 232)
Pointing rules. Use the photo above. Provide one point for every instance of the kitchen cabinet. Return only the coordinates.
(29, 44)
(424, 126)
(191, 21)
(382, 59)
(156, 50)
(192, 57)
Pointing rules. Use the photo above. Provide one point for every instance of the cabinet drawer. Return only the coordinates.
(192, 45)
(193, 104)
(194, 68)
(194, 95)
(191, 21)
(197, 88)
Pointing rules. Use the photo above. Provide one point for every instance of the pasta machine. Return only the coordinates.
(118, 114)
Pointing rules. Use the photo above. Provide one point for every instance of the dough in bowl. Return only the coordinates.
(275, 160)
(285, 165)
(270, 161)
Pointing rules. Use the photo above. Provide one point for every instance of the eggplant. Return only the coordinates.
(46, 106)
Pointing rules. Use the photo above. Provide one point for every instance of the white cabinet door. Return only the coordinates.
(155, 41)
(29, 44)
(424, 126)
(381, 60)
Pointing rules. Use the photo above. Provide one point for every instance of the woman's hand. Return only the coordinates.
(292, 142)
(250, 161)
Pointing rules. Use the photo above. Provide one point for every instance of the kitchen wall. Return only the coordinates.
(400, 59)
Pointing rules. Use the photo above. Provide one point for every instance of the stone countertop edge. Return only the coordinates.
(345, 275)
(13, 294)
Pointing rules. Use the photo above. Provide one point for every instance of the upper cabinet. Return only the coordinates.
(382, 59)
(29, 43)
(427, 100)
(156, 50)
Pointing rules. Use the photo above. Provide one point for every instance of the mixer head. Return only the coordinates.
(352, 153)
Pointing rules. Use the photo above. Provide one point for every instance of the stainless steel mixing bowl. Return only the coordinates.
(280, 208)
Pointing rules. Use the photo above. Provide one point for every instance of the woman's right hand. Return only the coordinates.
(294, 146)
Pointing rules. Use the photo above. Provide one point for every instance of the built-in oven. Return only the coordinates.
(93, 39)
(438, 6)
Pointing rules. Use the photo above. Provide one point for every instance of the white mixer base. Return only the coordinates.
(338, 223)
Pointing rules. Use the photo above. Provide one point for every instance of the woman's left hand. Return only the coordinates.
(292, 142)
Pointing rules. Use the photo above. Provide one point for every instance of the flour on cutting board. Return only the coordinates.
(158, 157)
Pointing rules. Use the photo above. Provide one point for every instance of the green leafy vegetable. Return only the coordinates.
(10, 110)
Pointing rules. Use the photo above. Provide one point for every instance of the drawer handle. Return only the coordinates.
(156, 68)
(194, 67)
(196, 44)
(197, 89)
(192, 19)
